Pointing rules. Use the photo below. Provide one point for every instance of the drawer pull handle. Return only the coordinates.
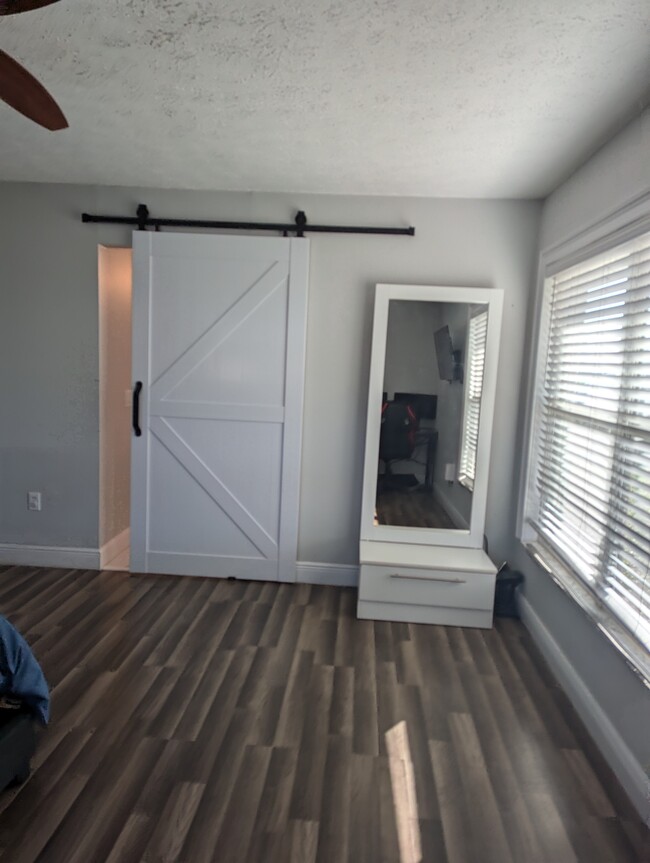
(429, 578)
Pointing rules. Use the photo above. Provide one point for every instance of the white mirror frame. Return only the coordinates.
(472, 538)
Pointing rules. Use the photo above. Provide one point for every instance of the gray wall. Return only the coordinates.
(619, 173)
(49, 361)
(49, 343)
(410, 364)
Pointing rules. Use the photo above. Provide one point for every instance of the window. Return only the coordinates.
(589, 484)
(474, 366)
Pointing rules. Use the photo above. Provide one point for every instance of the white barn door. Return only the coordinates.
(219, 325)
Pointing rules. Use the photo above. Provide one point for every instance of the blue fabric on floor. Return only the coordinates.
(20, 674)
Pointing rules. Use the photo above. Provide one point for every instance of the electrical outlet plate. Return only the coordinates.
(34, 501)
(450, 472)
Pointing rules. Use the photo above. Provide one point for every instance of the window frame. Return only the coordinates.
(625, 224)
(465, 478)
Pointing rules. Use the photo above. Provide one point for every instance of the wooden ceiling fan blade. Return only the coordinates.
(13, 7)
(22, 91)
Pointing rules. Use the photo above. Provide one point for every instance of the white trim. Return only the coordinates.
(454, 514)
(114, 547)
(616, 225)
(296, 352)
(49, 556)
(327, 573)
(618, 755)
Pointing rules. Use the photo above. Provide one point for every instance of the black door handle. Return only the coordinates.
(137, 389)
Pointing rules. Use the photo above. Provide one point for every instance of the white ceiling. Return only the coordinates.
(467, 98)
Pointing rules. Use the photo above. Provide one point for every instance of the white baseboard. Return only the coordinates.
(459, 522)
(327, 573)
(49, 556)
(616, 752)
(114, 547)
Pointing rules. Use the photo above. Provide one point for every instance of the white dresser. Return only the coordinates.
(426, 584)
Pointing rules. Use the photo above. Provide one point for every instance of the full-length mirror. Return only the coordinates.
(431, 397)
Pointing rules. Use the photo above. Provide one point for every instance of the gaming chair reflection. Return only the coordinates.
(399, 425)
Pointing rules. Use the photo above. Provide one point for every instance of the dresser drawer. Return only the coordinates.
(436, 587)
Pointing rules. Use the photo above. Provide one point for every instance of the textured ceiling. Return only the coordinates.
(468, 98)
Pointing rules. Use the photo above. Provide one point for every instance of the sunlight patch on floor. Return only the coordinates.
(405, 801)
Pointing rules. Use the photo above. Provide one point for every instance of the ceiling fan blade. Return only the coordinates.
(13, 7)
(23, 92)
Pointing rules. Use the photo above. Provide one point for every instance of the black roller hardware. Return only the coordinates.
(143, 220)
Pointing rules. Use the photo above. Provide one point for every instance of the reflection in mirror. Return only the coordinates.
(433, 378)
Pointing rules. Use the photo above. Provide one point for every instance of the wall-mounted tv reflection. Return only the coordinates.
(445, 354)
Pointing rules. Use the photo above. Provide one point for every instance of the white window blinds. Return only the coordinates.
(474, 367)
(590, 493)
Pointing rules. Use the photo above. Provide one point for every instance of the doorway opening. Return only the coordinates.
(115, 287)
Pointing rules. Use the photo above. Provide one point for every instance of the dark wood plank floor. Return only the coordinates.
(201, 720)
(411, 508)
